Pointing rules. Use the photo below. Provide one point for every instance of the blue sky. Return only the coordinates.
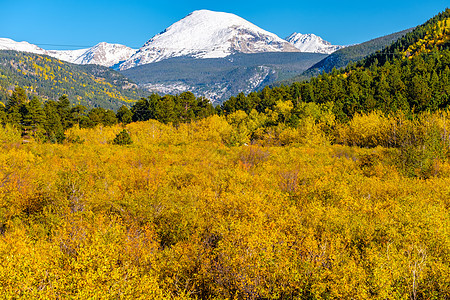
(133, 22)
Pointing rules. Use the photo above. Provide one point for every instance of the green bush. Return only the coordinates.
(122, 138)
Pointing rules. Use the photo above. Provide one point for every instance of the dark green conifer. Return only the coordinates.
(124, 115)
(122, 138)
(52, 125)
(34, 116)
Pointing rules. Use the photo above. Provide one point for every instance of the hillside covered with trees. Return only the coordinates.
(412, 75)
(50, 78)
(343, 57)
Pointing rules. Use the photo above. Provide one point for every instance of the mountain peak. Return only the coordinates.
(208, 34)
(105, 54)
(210, 16)
(312, 43)
(9, 44)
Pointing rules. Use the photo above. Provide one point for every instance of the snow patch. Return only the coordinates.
(312, 43)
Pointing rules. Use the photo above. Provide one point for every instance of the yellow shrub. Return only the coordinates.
(9, 136)
(365, 130)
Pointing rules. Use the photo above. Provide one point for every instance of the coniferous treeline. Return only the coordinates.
(412, 75)
(49, 120)
(181, 108)
(412, 85)
(435, 31)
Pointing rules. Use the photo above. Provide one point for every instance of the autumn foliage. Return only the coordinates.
(333, 189)
(211, 209)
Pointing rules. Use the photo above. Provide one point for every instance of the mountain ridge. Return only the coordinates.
(103, 54)
(200, 34)
(342, 57)
(208, 34)
(312, 43)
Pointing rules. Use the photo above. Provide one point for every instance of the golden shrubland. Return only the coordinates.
(219, 209)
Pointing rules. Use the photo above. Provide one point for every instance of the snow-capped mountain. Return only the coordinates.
(103, 54)
(66, 55)
(8, 44)
(312, 43)
(208, 34)
(201, 34)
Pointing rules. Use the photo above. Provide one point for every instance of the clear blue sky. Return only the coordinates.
(133, 22)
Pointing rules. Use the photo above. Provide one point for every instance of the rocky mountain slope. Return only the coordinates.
(103, 54)
(220, 78)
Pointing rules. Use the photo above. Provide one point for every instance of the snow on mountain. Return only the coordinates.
(312, 43)
(208, 34)
(8, 44)
(201, 34)
(66, 55)
(103, 54)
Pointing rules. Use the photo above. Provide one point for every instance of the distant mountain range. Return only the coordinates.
(102, 54)
(212, 54)
(201, 34)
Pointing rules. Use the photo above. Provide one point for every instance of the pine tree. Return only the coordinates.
(77, 113)
(124, 115)
(165, 110)
(141, 111)
(3, 115)
(185, 106)
(18, 98)
(15, 106)
(52, 125)
(420, 93)
(436, 92)
(63, 107)
(34, 118)
(122, 138)
(109, 118)
(383, 96)
(96, 115)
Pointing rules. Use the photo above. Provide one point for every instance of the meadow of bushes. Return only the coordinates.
(225, 208)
